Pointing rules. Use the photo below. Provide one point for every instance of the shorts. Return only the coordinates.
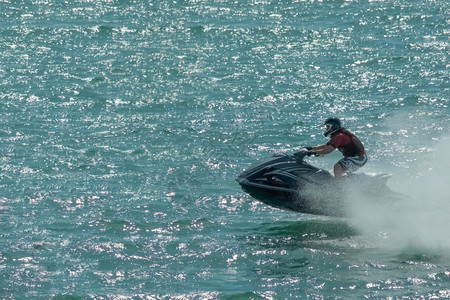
(353, 163)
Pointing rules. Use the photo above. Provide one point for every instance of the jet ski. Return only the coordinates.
(289, 182)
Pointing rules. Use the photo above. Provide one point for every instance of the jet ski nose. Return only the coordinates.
(241, 179)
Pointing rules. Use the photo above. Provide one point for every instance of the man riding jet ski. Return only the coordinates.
(289, 182)
(351, 147)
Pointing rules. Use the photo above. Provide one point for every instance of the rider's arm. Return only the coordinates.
(323, 149)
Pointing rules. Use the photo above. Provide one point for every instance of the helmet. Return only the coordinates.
(332, 125)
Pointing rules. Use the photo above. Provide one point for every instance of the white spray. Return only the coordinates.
(418, 223)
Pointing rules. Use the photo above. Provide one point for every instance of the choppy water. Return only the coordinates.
(124, 123)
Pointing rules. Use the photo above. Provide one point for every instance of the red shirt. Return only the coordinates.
(339, 140)
(347, 143)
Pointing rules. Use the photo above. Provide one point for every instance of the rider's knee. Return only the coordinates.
(338, 170)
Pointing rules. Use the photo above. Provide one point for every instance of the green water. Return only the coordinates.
(124, 124)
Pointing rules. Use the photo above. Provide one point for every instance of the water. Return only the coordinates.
(124, 124)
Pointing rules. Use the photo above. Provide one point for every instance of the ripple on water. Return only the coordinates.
(128, 122)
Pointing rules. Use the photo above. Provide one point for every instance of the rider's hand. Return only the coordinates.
(310, 152)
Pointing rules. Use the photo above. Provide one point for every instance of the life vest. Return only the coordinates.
(353, 148)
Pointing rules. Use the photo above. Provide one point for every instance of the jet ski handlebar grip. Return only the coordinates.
(309, 153)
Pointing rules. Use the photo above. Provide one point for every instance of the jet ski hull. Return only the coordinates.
(281, 181)
(287, 200)
(289, 183)
(274, 196)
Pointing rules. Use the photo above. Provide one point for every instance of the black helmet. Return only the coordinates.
(332, 125)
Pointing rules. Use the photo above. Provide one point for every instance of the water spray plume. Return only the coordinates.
(420, 222)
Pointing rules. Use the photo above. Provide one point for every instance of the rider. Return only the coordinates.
(340, 138)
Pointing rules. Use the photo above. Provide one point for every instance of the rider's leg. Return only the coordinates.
(338, 171)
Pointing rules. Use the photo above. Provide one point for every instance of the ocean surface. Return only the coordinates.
(124, 123)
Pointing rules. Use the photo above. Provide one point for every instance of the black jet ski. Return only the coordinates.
(289, 182)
